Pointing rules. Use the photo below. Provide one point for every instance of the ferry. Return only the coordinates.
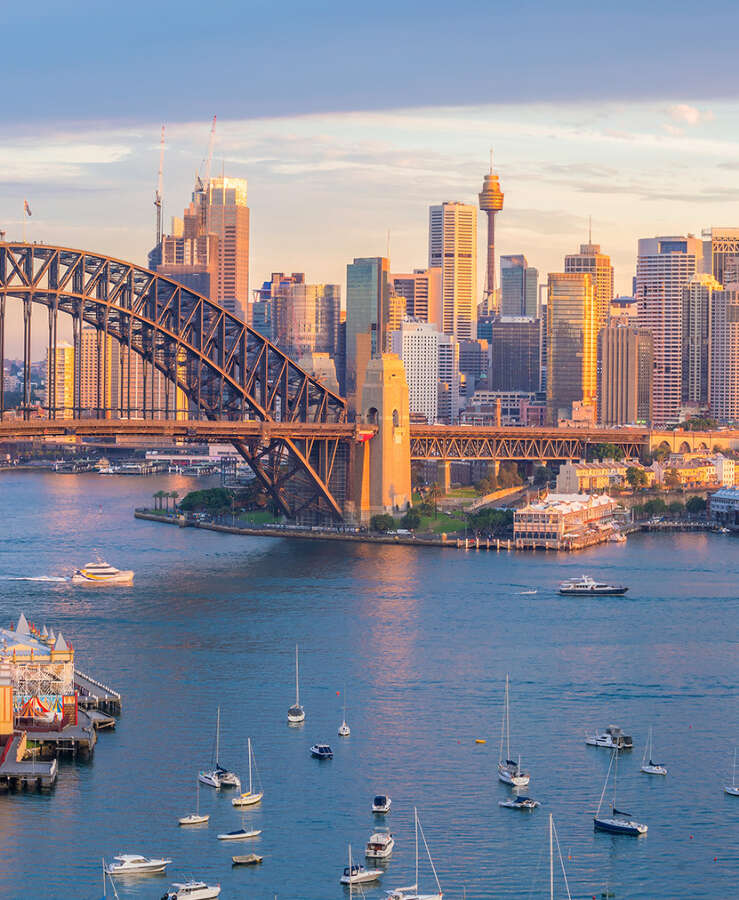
(102, 573)
(587, 585)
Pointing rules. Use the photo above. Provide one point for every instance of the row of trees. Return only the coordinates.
(695, 506)
(161, 496)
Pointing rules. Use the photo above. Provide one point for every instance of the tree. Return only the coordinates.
(606, 451)
(382, 522)
(411, 520)
(656, 507)
(541, 476)
(158, 499)
(671, 479)
(174, 495)
(636, 477)
(696, 506)
(676, 509)
(434, 493)
(508, 475)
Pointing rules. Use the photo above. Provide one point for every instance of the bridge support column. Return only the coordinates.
(494, 468)
(444, 475)
(381, 479)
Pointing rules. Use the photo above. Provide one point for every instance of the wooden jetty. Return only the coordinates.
(17, 772)
(94, 694)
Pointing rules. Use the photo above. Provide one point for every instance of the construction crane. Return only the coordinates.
(201, 183)
(211, 144)
(158, 194)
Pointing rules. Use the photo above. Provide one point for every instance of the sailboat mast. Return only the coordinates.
(615, 778)
(507, 721)
(551, 861)
(218, 736)
(248, 743)
(350, 871)
(415, 816)
(197, 797)
(297, 689)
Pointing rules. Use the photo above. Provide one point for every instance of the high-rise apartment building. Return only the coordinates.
(571, 344)
(98, 373)
(422, 291)
(664, 267)
(598, 266)
(367, 292)
(625, 360)
(396, 312)
(519, 287)
(696, 336)
(723, 389)
(417, 344)
(453, 248)
(515, 354)
(720, 250)
(191, 261)
(59, 400)
(449, 380)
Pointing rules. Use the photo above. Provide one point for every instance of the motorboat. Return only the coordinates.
(519, 803)
(134, 864)
(381, 804)
(651, 767)
(322, 751)
(250, 859)
(218, 776)
(192, 890)
(240, 834)
(296, 713)
(617, 537)
(380, 845)
(732, 789)
(618, 822)
(411, 892)
(195, 818)
(509, 771)
(612, 739)
(102, 573)
(587, 585)
(355, 873)
(250, 797)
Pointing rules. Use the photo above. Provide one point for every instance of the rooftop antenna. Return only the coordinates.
(158, 195)
(211, 144)
(491, 160)
(388, 243)
(590, 229)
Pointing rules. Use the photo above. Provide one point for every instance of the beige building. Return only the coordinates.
(625, 360)
(453, 248)
(422, 291)
(599, 267)
(571, 344)
(723, 389)
(564, 521)
(60, 381)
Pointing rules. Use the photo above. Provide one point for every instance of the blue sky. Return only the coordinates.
(350, 120)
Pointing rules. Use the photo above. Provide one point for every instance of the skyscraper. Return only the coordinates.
(491, 203)
(514, 353)
(367, 292)
(696, 335)
(724, 356)
(664, 266)
(306, 318)
(519, 286)
(422, 291)
(417, 344)
(598, 265)
(571, 344)
(625, 359)
(453, 248)
(720, 249)
(60, 381)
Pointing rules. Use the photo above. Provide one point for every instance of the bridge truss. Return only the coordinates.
(226, 370)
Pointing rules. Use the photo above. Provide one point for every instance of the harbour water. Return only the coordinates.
(421, 641)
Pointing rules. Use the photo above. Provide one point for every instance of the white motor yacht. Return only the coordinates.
(380, 845)
(587, 585)
(381, 804)
(356, 874)
(612, 739)
(102, 573)
(192, 890)
(134, 864)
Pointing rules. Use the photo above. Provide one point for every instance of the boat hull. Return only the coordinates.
(654, 770)
(120, 578)
(247, 799)
(194, 820)
(615, 590)
(238, 835)
(615, 826)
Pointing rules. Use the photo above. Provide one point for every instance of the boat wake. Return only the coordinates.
(522, 593)
(54, 579)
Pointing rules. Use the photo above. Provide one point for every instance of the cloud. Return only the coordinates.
(689, 115)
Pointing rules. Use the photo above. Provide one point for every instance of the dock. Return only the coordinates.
(94, 694)
(18, 773)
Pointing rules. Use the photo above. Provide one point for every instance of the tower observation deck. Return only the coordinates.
(491, 202)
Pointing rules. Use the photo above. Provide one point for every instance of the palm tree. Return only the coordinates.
(174, 495)
(158, 496)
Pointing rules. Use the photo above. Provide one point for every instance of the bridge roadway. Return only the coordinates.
(427, 442)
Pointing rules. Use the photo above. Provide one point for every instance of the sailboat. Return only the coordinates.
(195, 818)
(355, 873)
(249, 798)
(411, 892)
(619, 822)
(651, 768)
(218, 777)
(344, 729)
(239, 834)
(296, 713)
(552, 839)
(732, 788)
(509, 771)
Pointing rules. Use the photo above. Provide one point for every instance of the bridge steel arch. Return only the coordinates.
(226, 369)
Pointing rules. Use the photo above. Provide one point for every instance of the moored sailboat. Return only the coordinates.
(732, 789)
(619, 822)
(411, 892)
(509, 771)
(195, 818)
(250, 797)
(651, 768)
(218, 776)
(296, 713)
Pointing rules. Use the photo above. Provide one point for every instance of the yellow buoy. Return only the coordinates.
(480, 741)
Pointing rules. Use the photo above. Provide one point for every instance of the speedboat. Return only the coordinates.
(381, 804)
(192, 890)
(380, 845)
(322, 751)
(619, 823)
(612, 739)
(587, 585)
(240, 834)
(617, 537)
(519, 803)
(101, 573)
(134, 864)
(356, 874)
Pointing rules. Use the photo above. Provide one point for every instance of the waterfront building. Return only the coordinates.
(367, 292)
(571, 344)
(59, 397)
(515, 347)
(690, 472)
(519, 287)
(625, 362)
(598, 266)
(726, 470)
(724, 507)
(664, 267)
(564, 521)
(453, 248)
(720, 252)
(578, 477)
(422, 291)
(417, 344)
(696, 336)
(723, 389)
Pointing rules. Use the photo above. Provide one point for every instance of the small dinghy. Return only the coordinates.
(519, 803)
(251, 859)
(241, 834)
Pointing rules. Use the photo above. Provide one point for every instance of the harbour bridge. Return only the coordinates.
(295, 433)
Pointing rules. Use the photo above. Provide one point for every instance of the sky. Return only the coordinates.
(349, 121)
